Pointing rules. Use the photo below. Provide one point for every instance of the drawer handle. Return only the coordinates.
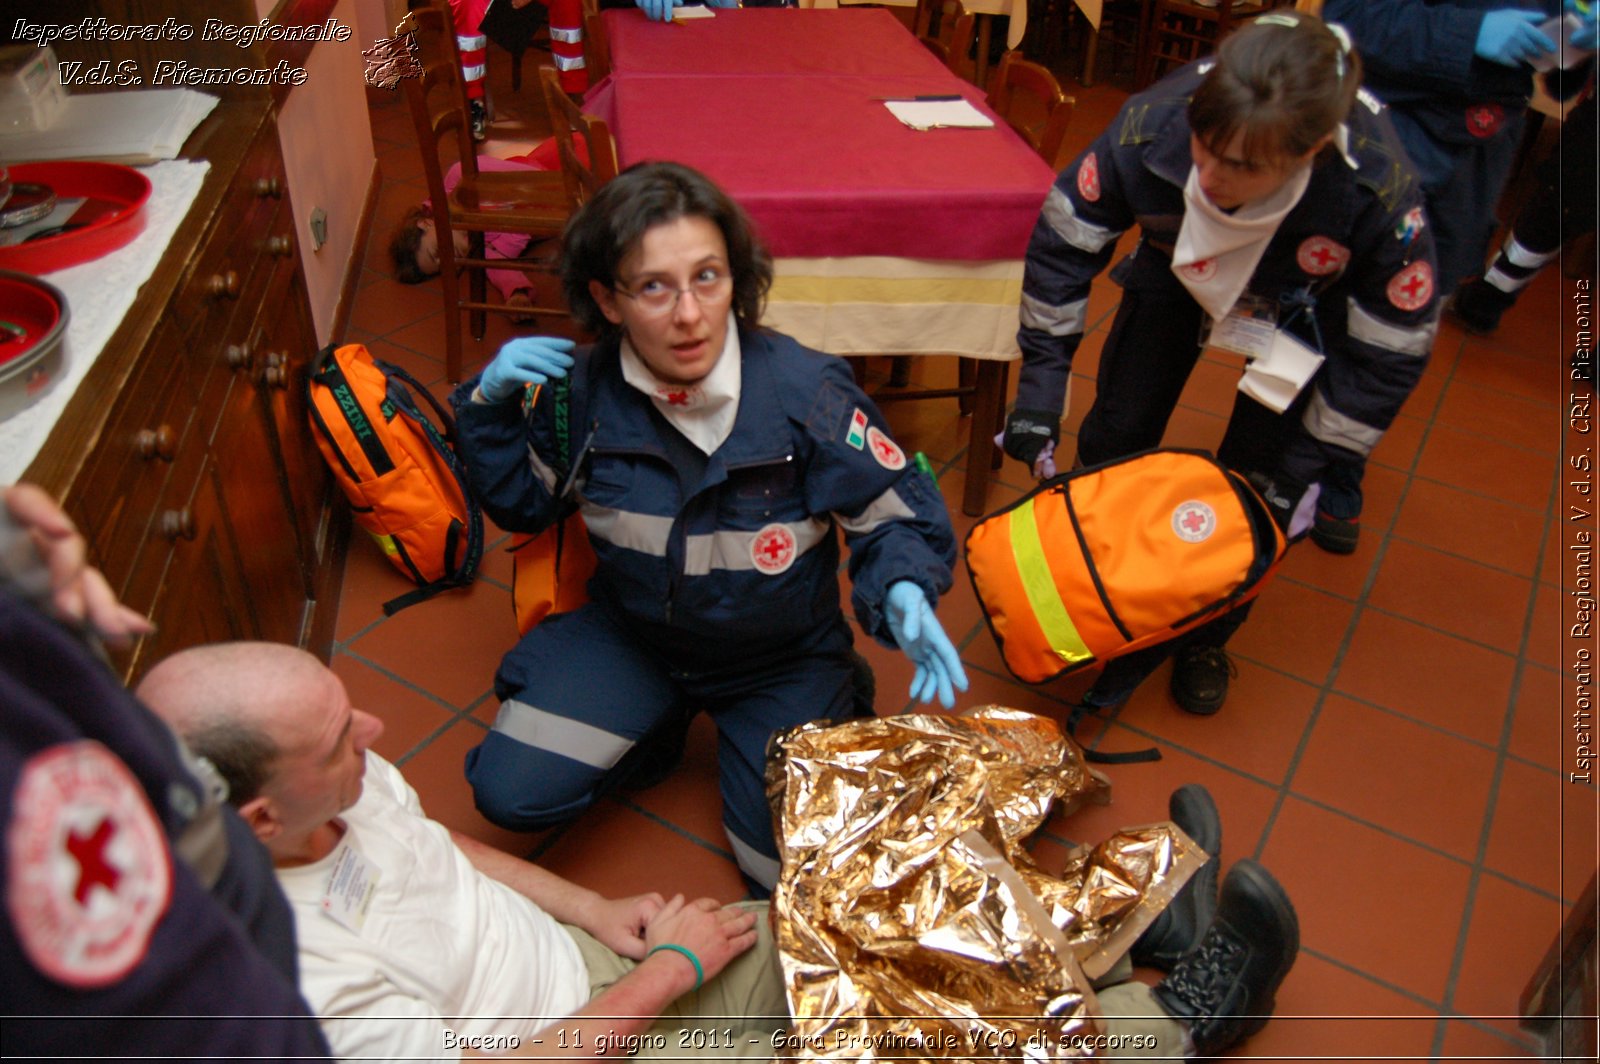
(156, 443)
(224, 284)
(177, 524)
(268, 186)
(281, 246)
(238, 356)
(276, 372)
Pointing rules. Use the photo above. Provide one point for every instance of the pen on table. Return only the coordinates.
(920, 99)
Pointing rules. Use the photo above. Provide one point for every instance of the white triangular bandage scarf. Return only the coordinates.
(703, 411)
(1217, 252)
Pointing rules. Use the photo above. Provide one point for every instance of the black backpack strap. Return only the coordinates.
(1079, 711)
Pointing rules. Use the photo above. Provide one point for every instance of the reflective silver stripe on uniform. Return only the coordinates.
(1502, 280)
(733, 551)
(592, 746)
(476, 42)
(1402, 339)
(1059, 215)
(1325, 423)
(568, 62)
(473, 73)
(758, 866)
(546, 475)
(566, 36)
(886, 507)
(1057, 321)
(1521, 256)
(632, 531)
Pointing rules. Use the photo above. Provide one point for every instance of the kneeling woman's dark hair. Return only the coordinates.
(1284, 81)
(643, 196)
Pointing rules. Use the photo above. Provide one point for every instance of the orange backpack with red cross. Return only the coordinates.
(1100, 562)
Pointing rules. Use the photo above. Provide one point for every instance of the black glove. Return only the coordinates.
(1027, 431)
(1280, 493)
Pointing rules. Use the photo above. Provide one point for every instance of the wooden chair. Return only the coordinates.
(1124, 32)
(946, 27)
(582, 171)
(596, 50)
(1182, 30)
(531, 202)
(1030, 99)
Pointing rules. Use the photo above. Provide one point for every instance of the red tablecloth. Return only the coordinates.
(769, 40)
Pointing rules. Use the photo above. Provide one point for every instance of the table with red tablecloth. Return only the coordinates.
(887, 240)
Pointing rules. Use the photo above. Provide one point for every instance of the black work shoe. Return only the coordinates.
(1478, 307)
(1224, 989)
(1200, 679)
(1336, 535)
(1187, 916)
(480, 119)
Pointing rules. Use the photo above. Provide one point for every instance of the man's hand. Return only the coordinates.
(78, 594)
(658, 10)
(525, 360)
(619, 923)
(713, 933)
(1510, 36)
(917, 630)
(1027, 432)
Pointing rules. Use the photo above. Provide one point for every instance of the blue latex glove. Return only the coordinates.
(1583, 37)
(658, 10)
(525, 360)
(917, 630)
(1511, 37)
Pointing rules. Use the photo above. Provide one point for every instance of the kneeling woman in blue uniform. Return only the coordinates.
(711, 460)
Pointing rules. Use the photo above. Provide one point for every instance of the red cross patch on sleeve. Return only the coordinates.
(89, 872)
(885, 450)
(1412, 287)
(1089, 178)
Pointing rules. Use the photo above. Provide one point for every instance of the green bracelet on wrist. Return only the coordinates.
(699, 972)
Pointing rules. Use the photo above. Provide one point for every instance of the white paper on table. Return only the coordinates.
(1276, 378)
(130, 126)
(689, 11)
(936, 114)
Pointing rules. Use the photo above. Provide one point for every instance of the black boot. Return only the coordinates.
(1200, 677)
(1180, 925)
(1224, 989)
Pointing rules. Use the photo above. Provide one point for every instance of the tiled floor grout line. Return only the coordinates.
(674, 828)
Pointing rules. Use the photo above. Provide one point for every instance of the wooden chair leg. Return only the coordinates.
(986, 422)
(452, 325)
(966, 377)
(858, 370)
(899, 371)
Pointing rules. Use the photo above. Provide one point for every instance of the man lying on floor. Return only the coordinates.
(416, 941)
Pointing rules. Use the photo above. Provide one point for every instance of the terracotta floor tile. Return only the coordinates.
(409, 716)
(1400, 444)
(1426, 674)
(1550, 641)
(1194, 428)
(1139, 794)
(1544, 830)
(1449, 593)
(1338, 1015)
(1052, 700)
(1510, 930)
(1483, 365)
(1408, 778)
(1487, 467)
(1507, 418)
(1257, 731)
(467, 631)
(1483, 530)
(387, 306)
(1469, 1040)
(1297, 629)
(437, 773)
(1383, 906)
(369, 582)
(1347, 574)
(425, 368)
(1212, 388)
(689, 798)
(620, 852)
(1541, 725)
(1562, 553)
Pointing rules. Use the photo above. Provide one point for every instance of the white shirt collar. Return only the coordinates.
(704, 411)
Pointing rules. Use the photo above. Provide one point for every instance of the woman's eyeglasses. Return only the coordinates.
(658, 299)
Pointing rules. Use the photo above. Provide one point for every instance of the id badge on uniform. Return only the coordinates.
(1247, 329)
(351, 885)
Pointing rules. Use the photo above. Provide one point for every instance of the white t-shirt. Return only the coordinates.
(397, 925)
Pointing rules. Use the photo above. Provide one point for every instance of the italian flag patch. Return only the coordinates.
(857, 436)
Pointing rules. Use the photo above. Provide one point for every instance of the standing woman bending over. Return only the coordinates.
(1267, 186)
(712, 460)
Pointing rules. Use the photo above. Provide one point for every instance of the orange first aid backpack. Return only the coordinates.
(1100, 562)
(398, 468)
(551, 570)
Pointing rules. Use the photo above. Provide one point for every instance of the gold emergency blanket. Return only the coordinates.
(911, 922)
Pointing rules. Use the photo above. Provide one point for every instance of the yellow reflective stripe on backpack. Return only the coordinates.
(1039, 585)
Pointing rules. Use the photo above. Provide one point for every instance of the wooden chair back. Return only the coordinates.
(582, 172)
(946, 27)
(1028, 96)
(1183, 30)
(596, 48)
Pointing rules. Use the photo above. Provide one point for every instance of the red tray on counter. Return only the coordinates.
(117, 196)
